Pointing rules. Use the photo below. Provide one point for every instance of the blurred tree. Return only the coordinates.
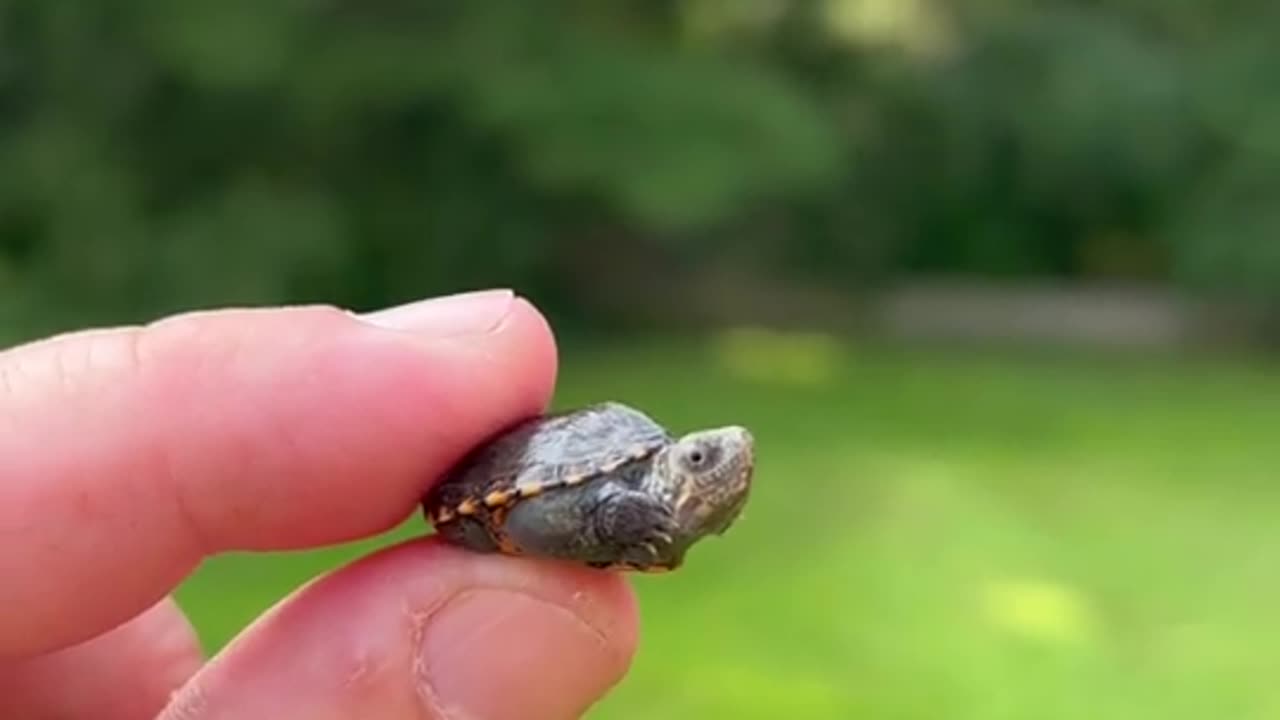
(158, 156)
(162, 156)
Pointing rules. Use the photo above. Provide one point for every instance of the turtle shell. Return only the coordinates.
(541, 455)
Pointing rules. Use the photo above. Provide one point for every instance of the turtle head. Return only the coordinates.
(709, 475)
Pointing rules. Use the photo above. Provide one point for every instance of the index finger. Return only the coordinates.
(128, 455)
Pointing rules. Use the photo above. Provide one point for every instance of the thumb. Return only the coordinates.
(424, 630)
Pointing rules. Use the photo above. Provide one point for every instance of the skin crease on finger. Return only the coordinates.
(250, 430)
(424, 630)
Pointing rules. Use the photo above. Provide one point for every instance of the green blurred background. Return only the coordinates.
(994, 282)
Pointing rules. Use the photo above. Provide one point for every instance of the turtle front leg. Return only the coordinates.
(635, 529)
(602, 527)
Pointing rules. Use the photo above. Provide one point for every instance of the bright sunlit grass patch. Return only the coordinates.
(785, 358)
(1039, 610)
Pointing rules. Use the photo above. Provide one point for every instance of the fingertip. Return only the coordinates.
(428, 572)
(530, 330)
(509, 369)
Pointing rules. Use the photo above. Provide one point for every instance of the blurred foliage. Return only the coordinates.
(158, 156)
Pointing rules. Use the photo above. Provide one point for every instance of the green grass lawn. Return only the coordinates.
(958, 535)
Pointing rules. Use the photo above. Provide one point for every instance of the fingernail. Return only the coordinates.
(470, 313)
(498, 654)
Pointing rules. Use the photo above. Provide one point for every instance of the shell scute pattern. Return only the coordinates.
(554, 451)
(571, 448)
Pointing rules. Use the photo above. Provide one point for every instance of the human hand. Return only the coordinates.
(128, 455)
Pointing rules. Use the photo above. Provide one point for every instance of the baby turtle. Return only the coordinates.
(605, 486)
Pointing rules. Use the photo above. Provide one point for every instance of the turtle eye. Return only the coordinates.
(698, 458)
